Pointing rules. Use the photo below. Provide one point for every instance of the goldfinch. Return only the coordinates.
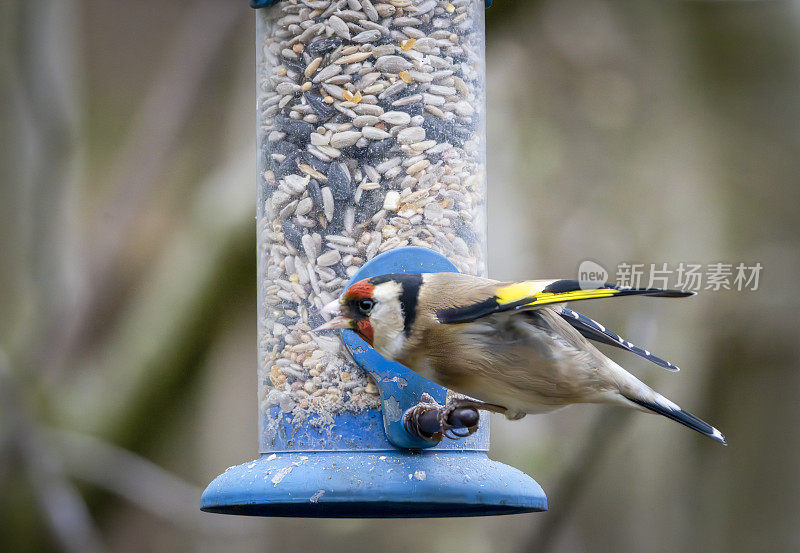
(512, 346)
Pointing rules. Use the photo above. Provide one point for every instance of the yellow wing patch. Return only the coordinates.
(517, 291)
(550, 297)
(532, 292)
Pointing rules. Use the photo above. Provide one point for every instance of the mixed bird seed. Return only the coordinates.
(371, 137)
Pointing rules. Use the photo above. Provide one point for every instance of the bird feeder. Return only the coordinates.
(371, 141)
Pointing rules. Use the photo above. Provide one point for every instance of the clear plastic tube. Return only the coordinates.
(371, 137)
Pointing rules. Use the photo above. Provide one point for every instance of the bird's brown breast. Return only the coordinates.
(514, 359)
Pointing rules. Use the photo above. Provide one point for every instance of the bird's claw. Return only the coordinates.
(446, 415)
(413, 419)
(433, 422)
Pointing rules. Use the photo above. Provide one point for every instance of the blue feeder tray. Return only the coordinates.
(378, 484)
(367, 465)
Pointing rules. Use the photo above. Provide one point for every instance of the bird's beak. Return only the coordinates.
(336, 322)
(339, 321)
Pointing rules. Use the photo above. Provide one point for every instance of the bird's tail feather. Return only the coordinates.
(684, 417)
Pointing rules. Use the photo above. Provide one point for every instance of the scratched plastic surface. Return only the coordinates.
(373, 485)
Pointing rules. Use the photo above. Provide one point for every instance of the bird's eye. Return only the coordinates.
(365, 306)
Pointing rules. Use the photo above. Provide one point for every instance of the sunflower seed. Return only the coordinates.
(367, 36)
(374, 133)
(392, 64)
(327, 202)
(411, 135)
(339, 27)
(364, 120)
(369, 10)
(353, 58)
(330, 257)
(396, 117)
(344, 139)
(326, 73)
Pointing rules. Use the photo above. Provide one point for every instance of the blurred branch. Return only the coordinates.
(175, 312)
(41, 164)
(164, 112)
(59, 501)
(142, 158)
(604, 434)
(145, 364)
(191, 286)
(139, 481)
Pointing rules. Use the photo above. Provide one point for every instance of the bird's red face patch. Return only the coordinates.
(360, 290)
(357, 293)
(365, 330)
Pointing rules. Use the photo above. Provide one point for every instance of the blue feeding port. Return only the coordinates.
(366, 465)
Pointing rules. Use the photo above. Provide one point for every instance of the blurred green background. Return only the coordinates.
(647, 131)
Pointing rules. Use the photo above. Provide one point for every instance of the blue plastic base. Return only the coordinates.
(373, 484)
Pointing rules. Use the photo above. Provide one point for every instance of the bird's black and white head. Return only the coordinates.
(380, 309)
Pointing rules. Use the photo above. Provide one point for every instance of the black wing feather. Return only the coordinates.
(532, 294)
(593, 330)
